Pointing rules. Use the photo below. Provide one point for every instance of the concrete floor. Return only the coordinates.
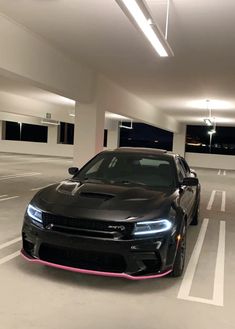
(37, 297)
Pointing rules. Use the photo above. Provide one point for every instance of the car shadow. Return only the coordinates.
(85, 281)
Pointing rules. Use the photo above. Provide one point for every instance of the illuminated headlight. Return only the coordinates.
(34, 213)
(152, 227)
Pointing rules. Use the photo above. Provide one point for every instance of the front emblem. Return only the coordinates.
(117, 227)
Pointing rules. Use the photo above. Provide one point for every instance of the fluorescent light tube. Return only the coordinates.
(150, 30)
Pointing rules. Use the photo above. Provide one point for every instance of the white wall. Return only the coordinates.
(215, 161)
(36, 148)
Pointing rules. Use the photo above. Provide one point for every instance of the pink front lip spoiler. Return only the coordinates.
(79, 270)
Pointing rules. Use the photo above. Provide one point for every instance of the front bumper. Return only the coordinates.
(134, 259)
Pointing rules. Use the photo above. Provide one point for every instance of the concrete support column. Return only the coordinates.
(113, 135)
(88, 132)
(179, 141)
(52, 135)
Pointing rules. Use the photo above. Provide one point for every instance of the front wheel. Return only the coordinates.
(196, 215)
(178, 266)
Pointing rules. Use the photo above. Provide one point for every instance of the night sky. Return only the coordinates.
(143, 135)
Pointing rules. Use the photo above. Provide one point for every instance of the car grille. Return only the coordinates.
(83, 259)
(87, 227)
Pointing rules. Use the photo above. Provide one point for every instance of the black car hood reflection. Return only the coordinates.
(104, 201)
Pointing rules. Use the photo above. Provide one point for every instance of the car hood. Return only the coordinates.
(104, 201)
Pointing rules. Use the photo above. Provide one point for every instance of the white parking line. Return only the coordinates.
(9, 257)
(223, 203)
(9, 243)
(192, 265)
(212, 199)
(218, 296)
(3, 196)
(19, 175)
(9, 198)
(218, 292)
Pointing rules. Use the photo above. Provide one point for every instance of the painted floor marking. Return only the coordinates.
(9, 257)
(9, 243)
(212, 199)
(218, 292)
(192, 265)
(19, 175)
(223, 203)
(9, 198)
(222, 172)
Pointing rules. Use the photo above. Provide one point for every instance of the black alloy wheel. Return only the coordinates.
(178, 266)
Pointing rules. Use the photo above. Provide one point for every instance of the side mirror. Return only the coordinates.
(190, 181)
(73, 170)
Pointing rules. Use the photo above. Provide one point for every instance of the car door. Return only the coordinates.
(186, 192)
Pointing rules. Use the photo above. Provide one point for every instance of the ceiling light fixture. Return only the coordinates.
(126, 127)
(138, 12)
(208, 121)
(50, 122)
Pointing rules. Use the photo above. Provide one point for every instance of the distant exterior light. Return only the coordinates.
(156, 141)
(211, 132)
(194, 144)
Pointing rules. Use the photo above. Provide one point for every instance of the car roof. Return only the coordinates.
(143, 150)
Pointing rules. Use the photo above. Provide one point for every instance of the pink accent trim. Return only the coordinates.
(78, 270)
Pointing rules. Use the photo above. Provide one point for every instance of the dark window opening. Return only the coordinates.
(66, 133)
(105, 137)
(143, 135)
(198, 140)
(18, 131)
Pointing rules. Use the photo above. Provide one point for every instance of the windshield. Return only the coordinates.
(128, 168)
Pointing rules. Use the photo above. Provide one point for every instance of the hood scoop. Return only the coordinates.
(94, 195)
(68, 187)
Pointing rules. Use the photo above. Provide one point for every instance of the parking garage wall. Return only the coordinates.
(214, 161)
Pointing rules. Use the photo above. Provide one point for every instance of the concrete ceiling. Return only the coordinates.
(18, 87)
(96, 31)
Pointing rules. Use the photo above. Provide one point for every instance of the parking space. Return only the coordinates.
(39, 297)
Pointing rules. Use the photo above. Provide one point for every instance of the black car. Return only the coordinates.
(124, 214)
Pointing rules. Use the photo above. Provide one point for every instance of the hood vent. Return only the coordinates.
(96, 195)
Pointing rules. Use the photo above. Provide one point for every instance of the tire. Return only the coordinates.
(195, 215)
(178, 266)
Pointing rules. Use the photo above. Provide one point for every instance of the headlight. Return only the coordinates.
(34, 213)
(152, 227)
